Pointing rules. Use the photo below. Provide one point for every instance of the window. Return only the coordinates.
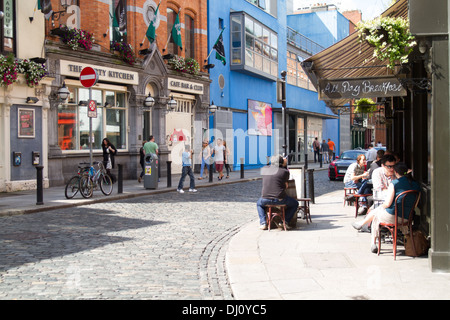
(73, 120)
(295, 75)
(171, 47)
(260, 52)
(7, 27)
(269, 6)
(190, 36)
(118, 20)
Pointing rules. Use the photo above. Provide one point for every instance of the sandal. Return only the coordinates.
(200, 178)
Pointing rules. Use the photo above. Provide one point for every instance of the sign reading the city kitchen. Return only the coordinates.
(71, 68)
(185, 86)
(360, 88)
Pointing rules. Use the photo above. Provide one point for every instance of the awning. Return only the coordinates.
(351, 59)
(299, 112)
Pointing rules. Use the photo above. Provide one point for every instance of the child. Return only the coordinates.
(187, 170)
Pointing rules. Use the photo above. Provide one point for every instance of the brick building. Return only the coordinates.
(181, 97)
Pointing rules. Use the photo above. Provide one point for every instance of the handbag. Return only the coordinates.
(109, 164)
(420, 243)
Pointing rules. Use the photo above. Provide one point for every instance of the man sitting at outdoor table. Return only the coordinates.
(382, 177)
(275, 179)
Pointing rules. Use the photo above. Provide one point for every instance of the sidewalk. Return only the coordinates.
(326, 260)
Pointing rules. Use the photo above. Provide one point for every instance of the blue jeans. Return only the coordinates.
(203, 167)
(186, 171)
(292, 206)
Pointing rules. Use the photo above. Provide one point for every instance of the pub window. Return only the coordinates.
(7, 26)
(254, 47)
(73, 120)
(118, 20)
(190, 36)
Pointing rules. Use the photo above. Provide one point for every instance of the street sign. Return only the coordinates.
(88, 77)
(92, 110)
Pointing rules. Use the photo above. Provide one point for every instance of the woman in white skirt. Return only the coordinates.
(386, 212)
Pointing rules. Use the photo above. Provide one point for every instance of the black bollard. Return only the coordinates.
(311, 184)
(306, 161)
(120, 179)
(39, 186)
(320, 159)
(169, 174)
(242, 168)
(210, 173)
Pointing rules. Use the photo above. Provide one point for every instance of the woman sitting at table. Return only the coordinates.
(356, 173)
(386, 212)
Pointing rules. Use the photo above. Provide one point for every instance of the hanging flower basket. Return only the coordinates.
(124, 50)
(188, 65)
(390, 37)
(10, 68)
(365, 106)
(75, 38)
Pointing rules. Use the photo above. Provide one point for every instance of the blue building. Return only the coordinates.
(259, 45)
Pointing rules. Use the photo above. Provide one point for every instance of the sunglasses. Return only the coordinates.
(389, 167)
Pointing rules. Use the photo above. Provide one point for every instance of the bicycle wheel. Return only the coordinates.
(72, 187)
(86, 186)
(106, 184)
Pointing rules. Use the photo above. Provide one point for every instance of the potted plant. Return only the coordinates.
(8, 70)
(124, 50)
(365, 106)
(192, 66)
(390, 37)
(185, 65)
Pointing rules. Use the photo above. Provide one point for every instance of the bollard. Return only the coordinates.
(320, 159)
(242, 168)
(39, 186)
(211, 173)
(169, 174)
(306, 161)
(311, 184)
(120, 179)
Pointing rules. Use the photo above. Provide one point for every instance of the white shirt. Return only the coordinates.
(218, 153)
(372, 154)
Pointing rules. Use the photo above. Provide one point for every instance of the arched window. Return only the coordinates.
(190, 36)
(171, 46)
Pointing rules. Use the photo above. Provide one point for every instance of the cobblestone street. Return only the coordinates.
(165, 246)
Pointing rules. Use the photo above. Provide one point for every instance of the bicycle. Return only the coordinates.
(73, 185)
(93, 178)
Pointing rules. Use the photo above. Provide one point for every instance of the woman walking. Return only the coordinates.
(206, 156)
(225, 159)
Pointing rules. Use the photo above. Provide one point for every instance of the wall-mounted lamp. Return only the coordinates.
(168, 56)
(149, 102)
(212, 108)
(63, 92)
(32, 100)
(172, 103)
(56, 15)
(83, 103)
(108, 105)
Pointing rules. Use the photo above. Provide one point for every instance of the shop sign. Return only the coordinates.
(360, 88)
(185, 86)
(73, 69)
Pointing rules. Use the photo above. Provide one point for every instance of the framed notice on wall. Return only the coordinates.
(26, 118)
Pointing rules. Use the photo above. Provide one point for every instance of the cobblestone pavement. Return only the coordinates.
(165, 246)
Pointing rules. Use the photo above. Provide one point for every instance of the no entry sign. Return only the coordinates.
(88, 77)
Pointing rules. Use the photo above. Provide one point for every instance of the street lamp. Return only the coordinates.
(172, 103)
(63, 92)
(283, 109)
(149, 102)
(212, 108)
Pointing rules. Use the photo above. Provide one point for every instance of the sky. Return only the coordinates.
(370, 8)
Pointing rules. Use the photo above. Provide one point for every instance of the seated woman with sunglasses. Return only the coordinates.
(386, 212)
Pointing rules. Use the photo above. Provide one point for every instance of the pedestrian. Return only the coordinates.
(142, 160)
(151, 147)
(316, 148)
(331, 149)
(275, 177)
(186, 158)
(225, 159)
(205, 157)
(324, 150)
(109, 152)
(219, 152)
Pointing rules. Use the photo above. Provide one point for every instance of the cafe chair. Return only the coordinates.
(349, 193)
(414, 197)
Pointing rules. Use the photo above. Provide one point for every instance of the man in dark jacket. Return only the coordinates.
(275, 179)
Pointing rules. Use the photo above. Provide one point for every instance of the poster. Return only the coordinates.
(259, 118)
(26, 123)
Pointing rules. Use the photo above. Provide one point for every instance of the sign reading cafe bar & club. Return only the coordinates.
(360, 88)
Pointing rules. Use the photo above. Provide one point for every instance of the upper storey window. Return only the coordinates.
(269, 6)
(254, 47)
